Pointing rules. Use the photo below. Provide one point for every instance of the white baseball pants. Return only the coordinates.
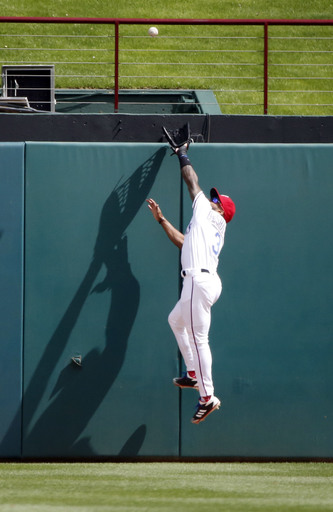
(190, 322)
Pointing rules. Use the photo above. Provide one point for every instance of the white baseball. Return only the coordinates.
(153, 32)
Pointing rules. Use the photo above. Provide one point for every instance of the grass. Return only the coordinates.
(228, 60)
(170, 9)
(235, 487)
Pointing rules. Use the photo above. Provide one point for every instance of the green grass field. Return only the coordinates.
(227, 60)
(170, 9)
(133, 487)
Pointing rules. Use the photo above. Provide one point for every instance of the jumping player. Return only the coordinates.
(200, 248)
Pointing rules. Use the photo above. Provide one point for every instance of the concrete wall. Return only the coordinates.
(148, 128)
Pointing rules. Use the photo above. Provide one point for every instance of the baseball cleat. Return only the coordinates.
(185, 382)
(205, 408)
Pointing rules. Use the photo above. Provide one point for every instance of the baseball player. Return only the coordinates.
(200, 248)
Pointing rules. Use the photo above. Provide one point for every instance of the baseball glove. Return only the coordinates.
(177, 138)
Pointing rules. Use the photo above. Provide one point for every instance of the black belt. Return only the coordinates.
(201, 270)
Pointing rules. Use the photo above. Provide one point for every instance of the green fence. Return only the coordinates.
(100, 278)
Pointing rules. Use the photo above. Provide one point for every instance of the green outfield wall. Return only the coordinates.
(88, 279)
(11, 293)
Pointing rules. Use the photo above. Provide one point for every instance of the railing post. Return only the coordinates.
(116, 66)
(266, 68)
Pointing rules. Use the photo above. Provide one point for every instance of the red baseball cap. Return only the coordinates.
(227, 204)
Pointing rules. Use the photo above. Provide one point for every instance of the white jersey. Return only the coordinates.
(204, 236)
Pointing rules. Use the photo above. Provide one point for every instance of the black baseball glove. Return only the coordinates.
(177, 138)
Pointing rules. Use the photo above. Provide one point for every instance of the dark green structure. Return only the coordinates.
(143, 101)
(11, 290)
(100, 278)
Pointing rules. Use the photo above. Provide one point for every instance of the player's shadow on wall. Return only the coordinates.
(79, 391)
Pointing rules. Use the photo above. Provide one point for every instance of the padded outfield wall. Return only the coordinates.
(87, 273)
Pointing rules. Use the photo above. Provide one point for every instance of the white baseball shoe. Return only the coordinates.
(205, 408)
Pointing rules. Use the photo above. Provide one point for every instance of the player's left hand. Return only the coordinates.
(155, 209)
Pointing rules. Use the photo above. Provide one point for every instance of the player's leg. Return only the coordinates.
(179, 330)
(202, 357)
(205, 291)
(203, 298)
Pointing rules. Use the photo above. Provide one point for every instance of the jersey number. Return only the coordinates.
(216, 246)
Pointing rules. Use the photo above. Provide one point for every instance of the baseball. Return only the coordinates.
(153, 32)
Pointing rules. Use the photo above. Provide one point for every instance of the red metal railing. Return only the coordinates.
(265, 68)
(265, 23)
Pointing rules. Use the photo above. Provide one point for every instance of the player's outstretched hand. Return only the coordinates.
(178, 138)
(155, 209)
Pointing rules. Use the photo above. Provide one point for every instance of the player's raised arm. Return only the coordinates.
(173, 234)
(179, 142)
(188, 173)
